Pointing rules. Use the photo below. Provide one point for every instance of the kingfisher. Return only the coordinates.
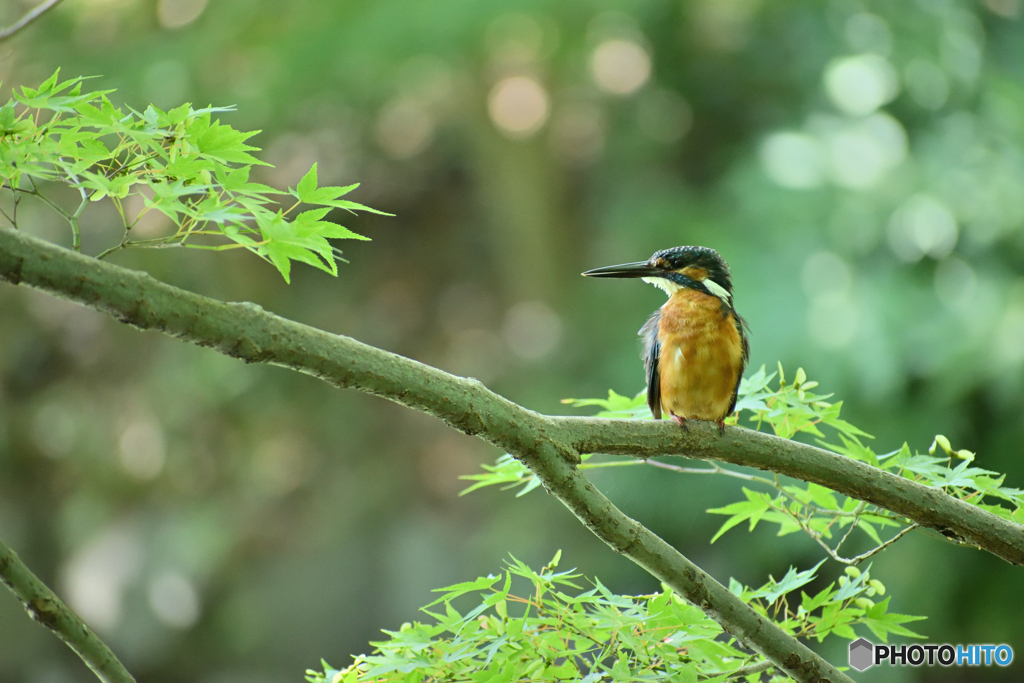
(695, 345)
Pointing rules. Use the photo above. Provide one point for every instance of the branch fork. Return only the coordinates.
(550, 446)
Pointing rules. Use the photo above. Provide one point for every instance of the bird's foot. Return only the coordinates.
(721, 427)
(681, 421)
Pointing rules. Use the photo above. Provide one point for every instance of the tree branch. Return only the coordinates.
(927, 506)
(36, 12)
(549, 446)
(247, 332)
(44, 606)
(750, 670)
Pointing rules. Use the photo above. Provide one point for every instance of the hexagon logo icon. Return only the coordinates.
(862, 654)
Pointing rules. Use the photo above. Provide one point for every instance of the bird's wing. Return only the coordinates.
(652, 349)
(743, 329)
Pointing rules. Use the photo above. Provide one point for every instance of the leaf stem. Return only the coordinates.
(46, 200)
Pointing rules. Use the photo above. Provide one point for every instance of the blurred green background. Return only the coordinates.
(859, 164)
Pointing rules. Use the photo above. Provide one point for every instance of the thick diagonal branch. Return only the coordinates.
(49, 610)
(247, 332)
(550, 446)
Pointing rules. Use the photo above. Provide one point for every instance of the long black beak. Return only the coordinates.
(638, 269)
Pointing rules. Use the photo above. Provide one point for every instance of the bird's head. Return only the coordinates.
(698, 268)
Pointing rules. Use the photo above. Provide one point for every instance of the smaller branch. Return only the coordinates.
(35, 13)
(120, 211)
(13, 218)
(13, 221)
(155, 243)
(859, 509)
(46, 200)
(76, 233)
(860, 558)
(761, 666)
(834, 553)
(714, 469)
(107, 252)
(718, 469)
(72, 219)
(828, 550)
(44, 606)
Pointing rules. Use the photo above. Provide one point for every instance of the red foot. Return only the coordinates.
(681, 421)
(721, 427)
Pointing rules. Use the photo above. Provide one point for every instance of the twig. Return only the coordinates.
(12, 221)
(860, 558)
(856, 520)
(714, 469)
(717, 469)
(44, 606)
(834, 553)
(76, 233)
(33, 14)
(761, 666)
(107, 252)
(46, 200)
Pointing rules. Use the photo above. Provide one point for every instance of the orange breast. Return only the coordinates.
(701, 356)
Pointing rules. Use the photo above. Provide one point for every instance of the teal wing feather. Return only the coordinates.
(652, 349)
(743, 329)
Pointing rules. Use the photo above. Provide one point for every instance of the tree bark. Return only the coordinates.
(44, 606)
(549, 446)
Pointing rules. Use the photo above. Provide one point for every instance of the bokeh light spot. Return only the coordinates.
(519, 106)
(955, 284)
(861, 152)
(1009, 330)
(860, 85)
(922, 226)
(281, 463)
(664, 115)
(723, 24)
(174, 600)
(868, 33)
(178, 13)
(532, 330)
(1008, 9)
(833, 320)
(404, 128)
(476, 353)
(825, 272)
(961, 54)
(96, 576)
(793, 160)
(515, 39)
(620, 67)
(142, 449)
(54, 430)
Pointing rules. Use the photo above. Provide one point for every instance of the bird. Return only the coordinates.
(695, 346)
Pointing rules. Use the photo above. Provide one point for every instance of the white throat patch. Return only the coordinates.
(671, 288)
(664, 285)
